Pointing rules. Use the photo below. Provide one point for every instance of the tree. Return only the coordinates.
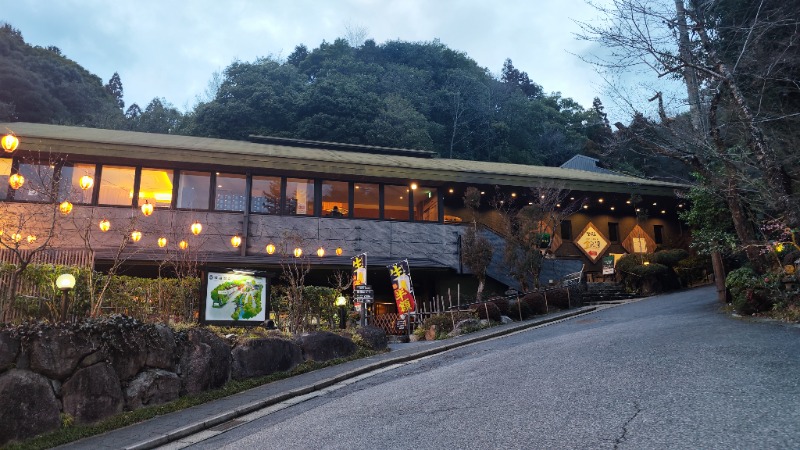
(476, 250)
(114, 88)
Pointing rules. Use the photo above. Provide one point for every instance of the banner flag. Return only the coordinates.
(359, 269)
(403, 289)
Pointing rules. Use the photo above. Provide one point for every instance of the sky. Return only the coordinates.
(170, 48)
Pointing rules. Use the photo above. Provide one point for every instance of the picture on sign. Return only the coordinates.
(592, 242)
(608, 265)
(359, 269)
(232, 297)
(401, 285)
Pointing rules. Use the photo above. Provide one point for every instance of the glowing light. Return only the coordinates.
(298, 252)
(513, 194)
(236, 241)
(451, 190)
(600, 200)
(10, 143)
(585, 206)
(196, 228)
(136, 235)
(320, 252)
(183, 245)
(86, 182)
(31, 238)
(16, 237)
(65, 207)
(646, 263)
(104, 225)
(413, 186)
(628, 201)
(339, 251)
(147, 208)
(270, 248)
(162, 242)
(16, 181)
(612, 208)
(663, 211)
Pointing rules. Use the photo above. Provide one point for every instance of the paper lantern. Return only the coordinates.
(16, 237)
(16, 181)
(105, 225)
(147, 208)
(86, 182)
(162, 242)
(298, 252)
(10, 143)
(196, 228)
(65, 207)
(31, 239)
(136, 235)
(270, 248)
(339, 251)
(183, 245)
(320, 252)
(236, 241)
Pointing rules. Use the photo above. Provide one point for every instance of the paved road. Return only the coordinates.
(665, 372)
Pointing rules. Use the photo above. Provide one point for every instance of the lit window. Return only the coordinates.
(366, 201)
(5, 172)
(116, 185)
(426, 204)
(395, 203)
(69, 187)
(335, 199)
(155, 187)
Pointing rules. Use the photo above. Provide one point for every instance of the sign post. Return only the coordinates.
(364, 295)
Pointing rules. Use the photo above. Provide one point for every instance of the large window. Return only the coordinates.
(116, 185)
(335, 199)
(231, 192)
(395, 202)
(566, 230)
(366, 201)
(426, 204)
(194, 190)
(299, 197)
(5, 172)
(156, 187)
(265, 195)
(70, 188)
(613, 231)
(38, 185)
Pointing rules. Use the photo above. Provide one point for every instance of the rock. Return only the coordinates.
(468, 326)
(205, 361)
(259, 357)
(413, 338)
(9, 348)
(92, 394)
(505, 319)
(324, 345)
(129, 353)
(431, 332)
(152, 387)
(94, 358)
(161, 348)
(373, 338)
(56, 353)
(28, 406)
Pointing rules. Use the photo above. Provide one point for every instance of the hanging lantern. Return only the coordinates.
(16, 181)
(320, 252)
(339, 251)
(162, 242)
(105, 225)
(31, 239)
(65, 207)
(196, 228)
(86, 182)
(236, 241)
(16, 237)
(10, 143)
(183, 245)
(147, 208)
(270, 248)
(136, 235)
(298, 252)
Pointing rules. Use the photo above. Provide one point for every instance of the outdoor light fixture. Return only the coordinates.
(147, 208)
(612, 208)
(413, 186)
(10, 143)
(339, 251)
(646, 263)
(162, 242)
(270, 248)
(31, 238)
(65, 282)
(600, 200)
(341, 302)
(628, 201)
(136, 235)
(183, 245)
(451, 190)
(513, 194)
(320, 252)
(86, 182)
(236, 241)
(298, 252)
(585, 206)
(104, 225)
(16, 181)
(663, 211)
(196, 228)
(65, 207)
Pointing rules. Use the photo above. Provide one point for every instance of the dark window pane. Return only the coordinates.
(395, 202)
(5, 172)
(335, 199)
(658, 234)
(193, 190)
(116, 185)
(613, 231)
(38, 185)
(299, 197)
(266, 195)
(566, 230)
(366, 201)
(426, 204)
(230, 192)
(70, 188)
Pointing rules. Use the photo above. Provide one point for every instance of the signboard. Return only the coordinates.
(234, 297)
(363, 293)
(401, 285)
(359, 269)
(592, 242)
(608, 265)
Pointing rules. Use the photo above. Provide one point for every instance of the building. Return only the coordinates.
(282, 194)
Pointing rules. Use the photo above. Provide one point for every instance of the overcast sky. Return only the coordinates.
(171, 48)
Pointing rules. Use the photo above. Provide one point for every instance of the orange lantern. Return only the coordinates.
(104, 225)
(31, 239)
(16, 181)
(196, 228)
(136, 235)
(16, 237)
(65, 207)
(298, 252)
(10, 143)
(339, 251)
(86, 182)
(270, 248)
(320, 252)
(147, 208)
(183, 245)
(236, 241)
(162, 242)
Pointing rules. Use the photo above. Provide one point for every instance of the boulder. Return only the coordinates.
(129, 352)
(505, 320)
(152, 387)
(431, 332)
(161, 348)
(28, 406)
(9, 348)
(92, 394)
(324, 345)
(259, 357)
(205, 361)
(55, 353)
(466, 326)
(373, 338)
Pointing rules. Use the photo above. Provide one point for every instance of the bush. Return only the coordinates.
(536, 303)
(752, 293)
(646, 279)
(693, 269)
(519, 310)
(558, 298)
(488, 310)
(502, 304)
(443, 322)
(669, 258)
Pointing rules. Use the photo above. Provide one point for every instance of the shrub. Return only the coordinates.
(488, 310)
(752, 293)
(646, 279)
(693, 269)
(669, 258)
(558, 298)
(536, 303)
(502, 304)
(443, 322)
(519, 310)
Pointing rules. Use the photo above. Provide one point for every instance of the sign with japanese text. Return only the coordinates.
(608, 265)
(400, 276)
(359, 269)
(592, 242)
(235, 298)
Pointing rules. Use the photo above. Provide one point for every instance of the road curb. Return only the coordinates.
(460, 341)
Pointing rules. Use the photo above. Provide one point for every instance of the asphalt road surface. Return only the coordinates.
(670, 371)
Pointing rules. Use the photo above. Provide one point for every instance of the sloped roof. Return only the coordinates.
(586, 163)
(220, 153)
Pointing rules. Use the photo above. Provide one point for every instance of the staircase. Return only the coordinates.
(606, 293)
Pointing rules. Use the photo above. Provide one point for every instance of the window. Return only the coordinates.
(155, 187)
(116, 185)
(265, 195)
(335, 197)
(566, 230)
(366, 201)
(193, 190)
(230, 192)
(38, 185)
(5, 172)
(299, 197)
(426, 204)
(658, 234)
(395, 202)
(69, 187)
(613, 231)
